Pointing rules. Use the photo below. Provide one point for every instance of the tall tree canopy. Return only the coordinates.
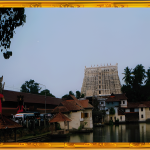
(10, 19)
(30, 87)
(137, 83)
(67, 96)
(47, 93)
(78, 95)
(34, 88)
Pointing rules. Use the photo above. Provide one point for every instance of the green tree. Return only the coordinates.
(147, 81)
(95, 104)
(97, 114)
(134, 83)
(127, 78)
(67, 96)
(47, 93)
(71, 93)
(112, 111)
(30, 87)
(139, 75)
(147, 85)
(79, 95)
(82, 96)
(11, 18)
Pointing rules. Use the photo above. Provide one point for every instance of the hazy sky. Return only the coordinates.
(55, 45)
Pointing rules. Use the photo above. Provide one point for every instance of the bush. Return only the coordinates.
(81, 127)
(110, 122)
(112, 111)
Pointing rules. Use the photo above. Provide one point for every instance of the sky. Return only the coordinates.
(55, 44)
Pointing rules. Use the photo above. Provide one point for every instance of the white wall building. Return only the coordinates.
(78, 111)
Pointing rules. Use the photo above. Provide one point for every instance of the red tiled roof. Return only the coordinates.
(86, 104)
(83, 103)
(77, 101)
(116, 98)
(138, 104)
(60, 109)
(132, 104)
(8, 123)
(142, 105)
(30, 98)
(59, 117)
(73, 105)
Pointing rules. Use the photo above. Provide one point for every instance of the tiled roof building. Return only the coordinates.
(116, 98)
(33, 102)
(78, 111)
(127, 111)
(59, 117)
(8, 123)
(73, 105)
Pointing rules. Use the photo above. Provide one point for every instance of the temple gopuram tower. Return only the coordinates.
(101, 80)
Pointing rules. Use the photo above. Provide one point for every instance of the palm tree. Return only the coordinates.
(127, 78)
(139, 75)
(147, 81)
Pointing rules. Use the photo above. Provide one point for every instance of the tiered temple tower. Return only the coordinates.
(101, 80)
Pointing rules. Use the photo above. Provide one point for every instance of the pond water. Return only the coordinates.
(133, 132)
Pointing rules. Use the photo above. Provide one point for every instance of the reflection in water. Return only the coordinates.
(134, 132)
(86, 137)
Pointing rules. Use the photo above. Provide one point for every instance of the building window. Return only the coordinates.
(85, 115)
(110, 118)
(99, 92)
(141, 116)
(102, 102)
(99, 86)
(141, 109)
(115, 118)
(81, 115)
(120, 117)
(123, 102)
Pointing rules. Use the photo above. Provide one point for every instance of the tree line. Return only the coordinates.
(137, 84)
(32, 87)
(10, 19)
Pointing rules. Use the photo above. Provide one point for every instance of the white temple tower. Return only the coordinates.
(101, 80)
